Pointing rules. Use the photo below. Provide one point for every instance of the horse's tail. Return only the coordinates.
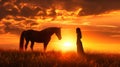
(22, 40)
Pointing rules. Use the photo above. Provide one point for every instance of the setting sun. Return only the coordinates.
(68, 46)
(68, 42)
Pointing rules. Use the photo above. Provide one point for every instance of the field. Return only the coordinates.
(14, 58)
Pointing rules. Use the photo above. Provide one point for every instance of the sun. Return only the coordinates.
(68, 46)
(67, 43)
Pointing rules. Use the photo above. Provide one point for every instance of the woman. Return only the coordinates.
(79, 42)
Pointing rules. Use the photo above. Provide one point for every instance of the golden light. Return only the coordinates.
(68, 45)
(68, 42)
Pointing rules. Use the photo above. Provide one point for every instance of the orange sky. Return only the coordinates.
(100, 27)
(97, 37)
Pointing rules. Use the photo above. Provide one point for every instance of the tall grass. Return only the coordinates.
(10, 58)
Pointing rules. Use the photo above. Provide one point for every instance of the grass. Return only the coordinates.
(12, 58)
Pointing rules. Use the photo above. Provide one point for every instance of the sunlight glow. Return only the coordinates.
(68, 46)
(67, 43)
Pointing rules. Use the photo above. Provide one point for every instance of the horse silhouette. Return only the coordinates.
(43, 36)
(79, 42)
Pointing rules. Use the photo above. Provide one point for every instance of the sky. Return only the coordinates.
(98, 19)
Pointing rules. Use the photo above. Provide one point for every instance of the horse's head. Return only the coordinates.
(58, 33)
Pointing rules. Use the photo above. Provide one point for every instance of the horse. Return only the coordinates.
(42, 36)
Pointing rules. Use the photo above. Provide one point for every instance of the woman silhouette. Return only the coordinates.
(79, 42)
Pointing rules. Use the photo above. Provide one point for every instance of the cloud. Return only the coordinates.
(89, 7)
(10, 28)
(106, 30)
(16, 27)
(30, 8)
(95, 7)
(7, 8)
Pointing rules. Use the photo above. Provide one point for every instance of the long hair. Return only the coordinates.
(78, 31)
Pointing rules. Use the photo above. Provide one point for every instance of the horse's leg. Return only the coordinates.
(27, 41)
(45, 45)
(32, 44)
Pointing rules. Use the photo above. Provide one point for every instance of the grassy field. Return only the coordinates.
(12, 58)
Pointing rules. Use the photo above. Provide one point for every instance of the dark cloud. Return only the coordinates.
(10, 28)
(94, 7)
(28, 12)
(30, 8)
(7, 8)
(89, 7)
(26, 8)
(69, 5)
(16, 27)
(30, 23)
